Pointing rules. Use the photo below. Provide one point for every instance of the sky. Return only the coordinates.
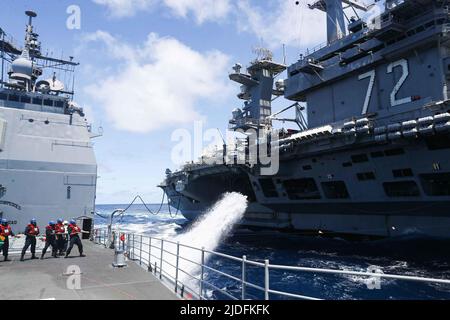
(150, 67)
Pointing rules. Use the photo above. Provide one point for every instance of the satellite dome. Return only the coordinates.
(22, 66)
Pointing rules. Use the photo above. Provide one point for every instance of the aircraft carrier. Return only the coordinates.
(371, 156)
(47, 163)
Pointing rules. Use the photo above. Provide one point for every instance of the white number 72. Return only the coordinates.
(403, 63)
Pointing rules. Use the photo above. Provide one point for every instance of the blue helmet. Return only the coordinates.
(51, 223)
(33, 221)
(59, 220)
(72, 221)
(4, 221)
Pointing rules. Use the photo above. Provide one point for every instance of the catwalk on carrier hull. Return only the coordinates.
(47, 164)
(372, 155)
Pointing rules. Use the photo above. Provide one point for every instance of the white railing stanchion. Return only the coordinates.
(161, 260)
(128, 246)
(202, 273)
(266, 279)
(149, 253)
(140, 251)
(243, 278)
(177, 265)
(132, 256)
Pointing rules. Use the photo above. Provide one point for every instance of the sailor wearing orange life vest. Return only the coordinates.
(31, 232)
(50, 240)
(5, 232)
(60, 236)
(74, 232)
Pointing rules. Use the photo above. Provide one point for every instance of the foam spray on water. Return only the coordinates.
(206, 233)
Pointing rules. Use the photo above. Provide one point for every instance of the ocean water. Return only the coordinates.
(405, 256)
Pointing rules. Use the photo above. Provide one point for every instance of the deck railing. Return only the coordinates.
(167, 260)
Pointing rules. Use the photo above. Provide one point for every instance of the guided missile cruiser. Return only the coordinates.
(47, 163)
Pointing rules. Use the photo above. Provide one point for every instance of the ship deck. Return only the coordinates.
(48, 279)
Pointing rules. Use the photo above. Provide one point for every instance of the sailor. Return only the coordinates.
(60, 236)
(31, 232)
(50, 239)
(5, 233)
(74, 232)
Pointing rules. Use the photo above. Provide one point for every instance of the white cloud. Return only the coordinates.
(126, 8)
(202, 10)
(157, 84)
(283, 23)
(276, 22)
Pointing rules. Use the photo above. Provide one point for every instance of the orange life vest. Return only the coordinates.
(74, 229)
(59, 228)
(33, 230)
(5, 230)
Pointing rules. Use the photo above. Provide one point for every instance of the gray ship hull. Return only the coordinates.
(398, 197)
(47, 170)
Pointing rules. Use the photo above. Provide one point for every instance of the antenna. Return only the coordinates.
(31, 15)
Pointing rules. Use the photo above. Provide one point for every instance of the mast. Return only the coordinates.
(2, 34)
(335, 20)
(335, 16)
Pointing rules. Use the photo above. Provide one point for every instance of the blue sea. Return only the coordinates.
(409, 255)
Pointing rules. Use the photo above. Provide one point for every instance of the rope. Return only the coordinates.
(138, 197)
(178, 208)
(100, 215)
(145, 205)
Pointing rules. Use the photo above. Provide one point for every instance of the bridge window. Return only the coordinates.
(401, 189)
(438, 142)
(268, 188)
(48, 102)
(335, 190)
(37, 101)
(3, 96)
(358, 158)
(59, 104)
(436, 184)
(14, 97)
(377, 154)
(401, 173)
(302, 189)
(307, 167)
(364, 176)
(394, 152)
(347, 164)
(25, 99)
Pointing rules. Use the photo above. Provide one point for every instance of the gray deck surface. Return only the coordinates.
(47, 279)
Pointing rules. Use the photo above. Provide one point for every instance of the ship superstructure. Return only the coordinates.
(371, 156)
(47, 163)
